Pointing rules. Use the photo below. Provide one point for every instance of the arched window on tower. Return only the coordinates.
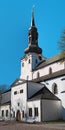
(29, 61)
(38, 74)
(27, 77)
(54, 88)
(23, 64)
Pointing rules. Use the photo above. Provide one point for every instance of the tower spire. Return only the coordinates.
(33, 38)
(32, 21)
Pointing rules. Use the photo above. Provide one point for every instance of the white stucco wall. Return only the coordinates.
(51, 110)
(20, 98)
(26, 70)
(60, 85)
(33, 104)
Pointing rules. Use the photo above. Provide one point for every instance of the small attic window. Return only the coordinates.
(15, 92)
(21, 91)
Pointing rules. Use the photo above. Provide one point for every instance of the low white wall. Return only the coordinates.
(5, 107)
(63, 105)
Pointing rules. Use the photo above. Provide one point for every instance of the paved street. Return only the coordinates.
(25, 126)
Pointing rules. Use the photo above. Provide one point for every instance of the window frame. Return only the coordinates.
(23, 114)
(54, 88)
(18, 104)
(36, 111)
(2, 113)
(15, 92)
(38, 74)
(21, 91)
(22, 64)
(30, 112)
(50, 70)
(13, 114)
(6, 113)
(29, 61)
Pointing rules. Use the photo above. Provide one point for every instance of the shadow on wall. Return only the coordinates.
(63, 113)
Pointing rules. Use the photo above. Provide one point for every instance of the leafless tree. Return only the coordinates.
(3, 88)
(61, 45)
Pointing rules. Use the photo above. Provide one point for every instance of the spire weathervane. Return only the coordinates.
(32, 21)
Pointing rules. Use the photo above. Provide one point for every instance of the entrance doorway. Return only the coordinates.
(18, 116)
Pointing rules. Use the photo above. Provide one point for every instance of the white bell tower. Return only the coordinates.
(33, 53)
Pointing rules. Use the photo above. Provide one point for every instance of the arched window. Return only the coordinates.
(23, 64)
(38, 74)
(54, 88)
(50, 70)
(27, 77)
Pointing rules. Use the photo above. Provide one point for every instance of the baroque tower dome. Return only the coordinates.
(33, 38)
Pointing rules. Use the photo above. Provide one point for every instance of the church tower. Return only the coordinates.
(33, 53)
(33, 39)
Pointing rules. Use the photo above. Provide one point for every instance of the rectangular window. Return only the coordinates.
(35, 111)
(2, 113)
(6, 113)
(23, 114)
(15, 92)
(21, 91)
(18, 104)
(30, 112)
(13, 114)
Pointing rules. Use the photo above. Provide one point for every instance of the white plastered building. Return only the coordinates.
(39, 93)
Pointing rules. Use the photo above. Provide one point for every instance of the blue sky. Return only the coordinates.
(15, 19)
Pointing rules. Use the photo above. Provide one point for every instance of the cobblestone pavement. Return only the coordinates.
(25, 126)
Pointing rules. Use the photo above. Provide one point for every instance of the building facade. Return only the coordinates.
(39, 93)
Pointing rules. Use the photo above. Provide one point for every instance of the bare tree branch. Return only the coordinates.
(61, 45)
